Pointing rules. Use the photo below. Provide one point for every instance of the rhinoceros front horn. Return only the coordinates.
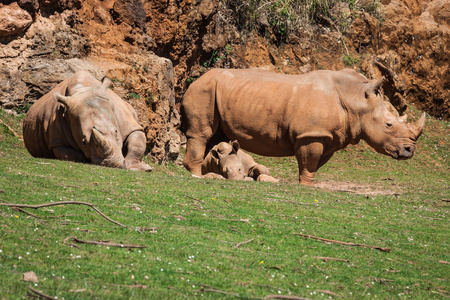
(417, 127)
(101, 145)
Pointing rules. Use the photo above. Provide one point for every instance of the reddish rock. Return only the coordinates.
(13, 20)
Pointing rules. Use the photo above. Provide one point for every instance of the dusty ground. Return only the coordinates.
(359, 189)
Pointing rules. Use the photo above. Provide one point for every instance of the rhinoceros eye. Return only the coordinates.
(389, 124)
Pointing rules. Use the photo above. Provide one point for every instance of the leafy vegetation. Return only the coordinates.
(281, 18)
(350, 60)
(225, 239)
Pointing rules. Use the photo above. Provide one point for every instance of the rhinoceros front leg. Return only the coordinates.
(309, 158)
(135, 148)
(193, 159)
(67, 153)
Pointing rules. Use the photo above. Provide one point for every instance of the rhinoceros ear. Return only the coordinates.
(215, 154)
(106, 82)
(61, 99)
(374, 86)
(236, 146)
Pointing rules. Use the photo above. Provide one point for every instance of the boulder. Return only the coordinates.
(13, 20)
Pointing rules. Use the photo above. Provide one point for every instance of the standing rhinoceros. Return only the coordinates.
(229, 161)
(83, 121)
(310, 116)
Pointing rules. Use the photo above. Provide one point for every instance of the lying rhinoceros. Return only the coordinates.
(82, 120)
(310, 116)
(228, 161)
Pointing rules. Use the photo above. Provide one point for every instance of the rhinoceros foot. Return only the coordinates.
(212, 175)
(267, 178)
(138, 166)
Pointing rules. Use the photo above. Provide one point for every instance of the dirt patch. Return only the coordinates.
(359, 188)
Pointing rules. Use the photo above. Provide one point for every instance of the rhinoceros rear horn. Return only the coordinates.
(374, 86)
(106, 82)
(64, 100)
(417, 127)
(102, 145)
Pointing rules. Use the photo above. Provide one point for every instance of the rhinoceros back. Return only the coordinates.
(43, 124)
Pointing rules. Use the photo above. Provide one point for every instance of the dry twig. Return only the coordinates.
(343, 243)
(28, 213)
(62, 203)
(243, 243)
(68, 244)
(326, 259)
(102, 243)
(40, 295)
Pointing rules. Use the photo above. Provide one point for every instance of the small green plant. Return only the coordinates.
(133, 95)
(22, 109)
(190, 80)
(150, 98)
(349, 60)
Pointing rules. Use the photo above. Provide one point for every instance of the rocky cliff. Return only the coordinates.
(154, 49)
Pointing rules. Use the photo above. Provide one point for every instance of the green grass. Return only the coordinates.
(200, 222)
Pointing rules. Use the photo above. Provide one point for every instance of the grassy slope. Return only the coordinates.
(195, 253)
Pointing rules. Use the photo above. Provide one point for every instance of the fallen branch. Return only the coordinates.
(137, 286)
(326, 259)
(343, 243)
(28, 213)
(62, 203)
(193, 198)
(68, 244)
(102, 243)
(243, 243)
(446, 200)
(40, 295)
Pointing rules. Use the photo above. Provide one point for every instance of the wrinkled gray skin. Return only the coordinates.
(82, 120)
(229, 161)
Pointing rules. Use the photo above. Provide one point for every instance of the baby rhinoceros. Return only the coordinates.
(82, 120)
(228, 161)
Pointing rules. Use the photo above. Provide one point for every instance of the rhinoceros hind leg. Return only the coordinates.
(67, 153)
(135, 149)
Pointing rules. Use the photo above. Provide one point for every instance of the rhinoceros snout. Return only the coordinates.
(406, 152)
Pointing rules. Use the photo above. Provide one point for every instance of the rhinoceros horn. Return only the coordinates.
(374, 86)
(417, 127)
(101, 145)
